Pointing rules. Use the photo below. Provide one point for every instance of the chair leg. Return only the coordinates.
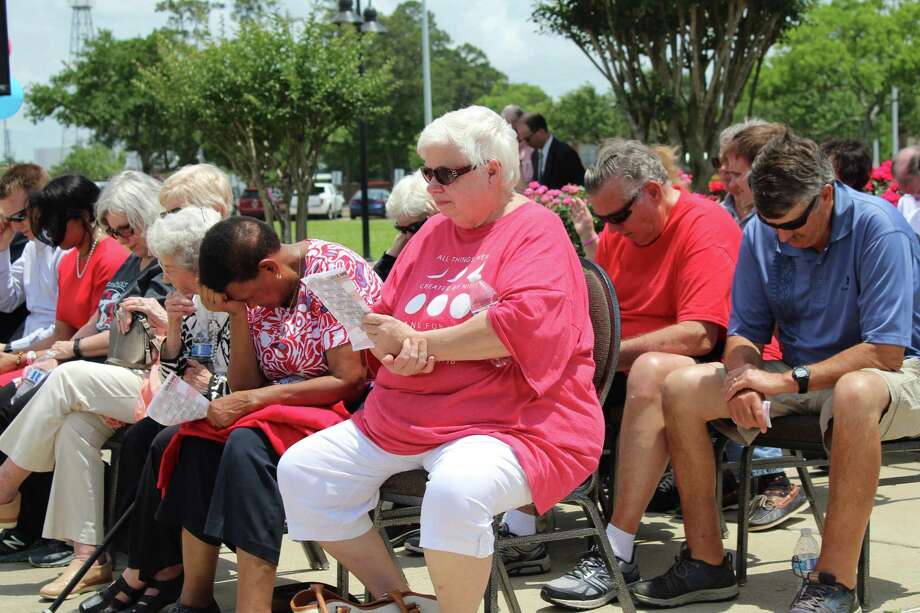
(341, 578)
(809, 486)
(624, 598)
(862, 574)
(315, 555)
(744, 500)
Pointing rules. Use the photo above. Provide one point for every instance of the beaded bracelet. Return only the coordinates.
(590, 241)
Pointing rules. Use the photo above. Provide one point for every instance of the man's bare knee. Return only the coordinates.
(695, 388)
(859, 400)
(648, 373)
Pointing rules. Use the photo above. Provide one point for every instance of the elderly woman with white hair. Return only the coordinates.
(485, 339)
(199, 185)
(64, 425)
(197, 349)
(409, 206)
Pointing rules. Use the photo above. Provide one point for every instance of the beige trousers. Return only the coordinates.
(63, 429)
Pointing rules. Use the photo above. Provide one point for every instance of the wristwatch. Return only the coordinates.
(76, 349)
(801, 374)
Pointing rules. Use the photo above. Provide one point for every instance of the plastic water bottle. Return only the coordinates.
(805, 554)
(202, 349)
(31, 377)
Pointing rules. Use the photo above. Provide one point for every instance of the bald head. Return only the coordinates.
(906, 170)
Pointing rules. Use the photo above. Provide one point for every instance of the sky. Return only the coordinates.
(40, 34)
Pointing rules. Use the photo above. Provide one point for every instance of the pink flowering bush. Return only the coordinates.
(882, 183)
(561, 201)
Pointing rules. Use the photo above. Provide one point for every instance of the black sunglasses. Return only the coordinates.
(412, 228)
(163, 214)
(444, 175)
(16, 217)
(623, 214)
(796, 223)
(125, 231)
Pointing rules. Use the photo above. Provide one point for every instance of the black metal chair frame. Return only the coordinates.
(798, 447)
(409, 487)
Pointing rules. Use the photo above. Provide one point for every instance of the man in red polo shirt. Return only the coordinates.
(671, 256)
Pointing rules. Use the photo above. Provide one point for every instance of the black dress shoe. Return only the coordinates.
(105, 600)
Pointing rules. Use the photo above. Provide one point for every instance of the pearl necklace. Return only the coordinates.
(88, 257)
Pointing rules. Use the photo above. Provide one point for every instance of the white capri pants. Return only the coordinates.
(62, 428)
(330, 480)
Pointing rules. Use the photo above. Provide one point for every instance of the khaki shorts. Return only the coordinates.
(900, 420)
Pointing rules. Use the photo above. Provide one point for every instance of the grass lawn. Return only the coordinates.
(347, 232)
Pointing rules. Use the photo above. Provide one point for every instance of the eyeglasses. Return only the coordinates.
(15, 217)
(796, 223)
(170, 212)
(124, 232)
(444, 175)
(620, 217)
(412, 228)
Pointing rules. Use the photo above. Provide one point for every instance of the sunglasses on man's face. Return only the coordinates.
(124, 232)
(443, 174)
(412, 228)
(15, 217)
(620, 217)
(796, 223)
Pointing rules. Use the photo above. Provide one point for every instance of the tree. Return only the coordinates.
(460, 76)
(584, 116)
(190, 19)
(268, 101)
(96, 162)
(833, 75)
(677, 67)
(100, 92)
(529, 97)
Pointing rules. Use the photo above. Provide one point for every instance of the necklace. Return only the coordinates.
(293, 303)
(86, 264)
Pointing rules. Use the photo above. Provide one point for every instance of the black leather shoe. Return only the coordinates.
(168, 593)
(181, 608)
(105, 599)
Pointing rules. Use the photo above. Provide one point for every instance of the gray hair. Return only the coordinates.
(203, 185)
(909, 158)
(132, 194)
(512, 113)
(410, 197)
(480, 135)
(624, 159)
(788, 170)
(726, 135)
(179, 235)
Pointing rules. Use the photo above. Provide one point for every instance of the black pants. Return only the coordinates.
(36, 489)
(151, 545)
(228, 493)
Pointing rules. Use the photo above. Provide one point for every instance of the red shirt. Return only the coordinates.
(79, 298)
(540, 400)
(683, 275)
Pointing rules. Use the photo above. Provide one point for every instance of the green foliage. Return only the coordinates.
(96, 162)
(677, 67)
(460, 76)
(268, 100)
(587, 117)
(833, 74)
(101, 92)
(189, 18)
(529, 97)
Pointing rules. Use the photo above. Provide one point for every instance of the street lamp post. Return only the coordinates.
(367, 24)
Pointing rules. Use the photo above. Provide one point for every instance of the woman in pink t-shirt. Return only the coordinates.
(485, 340)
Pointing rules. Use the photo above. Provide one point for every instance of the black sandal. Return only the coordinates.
(106, 599)
(168, 593)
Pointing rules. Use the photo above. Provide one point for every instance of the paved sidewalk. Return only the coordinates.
(895, 553)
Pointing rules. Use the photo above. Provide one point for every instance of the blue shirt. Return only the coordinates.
(863, 287)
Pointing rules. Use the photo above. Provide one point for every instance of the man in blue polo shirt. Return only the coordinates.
(837, 273)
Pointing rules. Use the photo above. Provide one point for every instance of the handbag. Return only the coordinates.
(321, 599)
(134, 349)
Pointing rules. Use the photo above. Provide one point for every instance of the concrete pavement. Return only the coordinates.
(895, 558)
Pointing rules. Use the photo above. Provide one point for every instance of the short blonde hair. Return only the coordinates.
(410, 197)
(201, 185)
(480, 134)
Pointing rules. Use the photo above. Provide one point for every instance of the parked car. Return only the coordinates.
(325, 200)
(376, 203)
(250, 203)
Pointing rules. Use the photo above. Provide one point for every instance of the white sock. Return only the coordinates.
(521, 524)
(622, 542)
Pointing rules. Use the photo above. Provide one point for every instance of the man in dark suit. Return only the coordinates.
(554, 162)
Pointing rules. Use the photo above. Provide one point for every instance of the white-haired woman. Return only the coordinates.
(409, 206)
(199, 185)
(484, 335)
(197, 348)
(64, 425)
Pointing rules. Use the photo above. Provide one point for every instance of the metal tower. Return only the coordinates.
(81, 31)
